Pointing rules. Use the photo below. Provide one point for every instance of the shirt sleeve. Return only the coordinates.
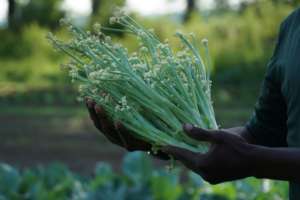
(268, 123)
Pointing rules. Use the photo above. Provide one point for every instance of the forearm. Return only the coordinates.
(275, 163)
(272, 163)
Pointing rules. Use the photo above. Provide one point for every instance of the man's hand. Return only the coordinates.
(116, 133)
(226, 160)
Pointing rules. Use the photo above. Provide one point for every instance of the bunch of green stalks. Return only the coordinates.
(152, 91)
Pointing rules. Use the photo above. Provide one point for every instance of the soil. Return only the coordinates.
(28, 141)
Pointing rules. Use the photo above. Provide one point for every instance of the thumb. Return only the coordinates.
(201, 134)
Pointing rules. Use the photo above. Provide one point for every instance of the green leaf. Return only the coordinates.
(9, 179)
(137, 167)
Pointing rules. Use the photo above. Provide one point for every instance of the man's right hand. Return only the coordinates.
(116, 133)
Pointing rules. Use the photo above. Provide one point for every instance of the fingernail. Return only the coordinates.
(188, 127)
(118, 125)
(98, 109)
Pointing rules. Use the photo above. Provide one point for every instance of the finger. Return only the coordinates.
(93, 115)
(200, 134)
(131, 143)
(107, 127)
(188, 158)
(121, 130)
(102, 117)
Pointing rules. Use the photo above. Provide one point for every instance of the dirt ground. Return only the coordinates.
(28, 141)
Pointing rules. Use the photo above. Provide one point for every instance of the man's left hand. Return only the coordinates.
(227, 159)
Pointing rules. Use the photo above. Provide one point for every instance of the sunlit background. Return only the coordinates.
(143, 7)
(42, 123)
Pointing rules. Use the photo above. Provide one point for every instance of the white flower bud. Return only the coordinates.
(82, 88)
(97, 27)
(107, 39)
(64, 21)
(144, 49)
(204, 41)
(113, 20)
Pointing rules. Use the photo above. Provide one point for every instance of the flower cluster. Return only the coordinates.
(152, 91)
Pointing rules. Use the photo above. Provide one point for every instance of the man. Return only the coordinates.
(267, 147)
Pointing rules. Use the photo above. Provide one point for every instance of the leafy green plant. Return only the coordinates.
(137, 180)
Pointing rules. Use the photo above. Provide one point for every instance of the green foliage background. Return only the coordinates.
(31, 84)
(240, 44)
(137, 180)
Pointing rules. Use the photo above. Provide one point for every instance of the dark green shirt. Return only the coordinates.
(276, 120)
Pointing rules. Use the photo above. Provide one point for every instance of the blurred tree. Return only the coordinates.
(11, 12)
(244, 4)
(102, 9)
(45, 13)
(190, 8)
(290, 2)
(95, 6)
(222, 6)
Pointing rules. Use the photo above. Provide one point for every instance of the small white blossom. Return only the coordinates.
(204, 41)
(97, 27)
(151, 30)
(122, 105)
(133, 59)
(192, 34)
(144, 49)
(64, 21)
(82, 88)
(142, 33)
(73, 72)
(113, 20)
